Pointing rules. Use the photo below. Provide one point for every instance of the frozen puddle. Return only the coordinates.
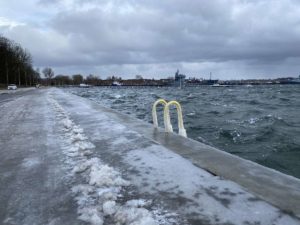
(99, 198)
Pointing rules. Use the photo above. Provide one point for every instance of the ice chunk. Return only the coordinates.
(78, 137)
(109, 208)
(80, 168)
(103, 175)
(77, 130)
(83, 145)
(137, 203)
(87, 153)
(108, 193)
(134, 216)
(91, 215)
(67, 123)
(82, 188)
(86, 164)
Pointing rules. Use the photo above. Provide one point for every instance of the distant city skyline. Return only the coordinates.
(233, 39)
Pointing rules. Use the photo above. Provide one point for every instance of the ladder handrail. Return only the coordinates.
(154, 114)
(167, 119)
(168, 125)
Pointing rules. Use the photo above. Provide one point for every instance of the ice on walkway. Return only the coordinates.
(98, 197)
(167, 183)
(198, 192)
(29, 163)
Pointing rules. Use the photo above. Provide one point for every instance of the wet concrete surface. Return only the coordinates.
(35, 187)
(266, 184)
(270, 185)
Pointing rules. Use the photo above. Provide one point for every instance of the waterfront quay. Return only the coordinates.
(67, 160)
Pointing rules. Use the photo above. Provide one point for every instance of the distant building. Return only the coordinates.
(179, 79)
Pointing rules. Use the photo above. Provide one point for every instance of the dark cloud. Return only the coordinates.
(48, 2)
(224, 36)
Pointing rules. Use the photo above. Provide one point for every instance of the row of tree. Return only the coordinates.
(16, 64)
(16, 68)
(76, 79)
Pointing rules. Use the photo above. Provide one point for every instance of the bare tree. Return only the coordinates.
(77, 79)
(48, 73)
(138, 77)
(92, 80)
(62, 80)
(15, 63)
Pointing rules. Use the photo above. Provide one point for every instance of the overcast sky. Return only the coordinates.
(230, 38)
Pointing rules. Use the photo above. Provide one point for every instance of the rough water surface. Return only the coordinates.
(259, 123)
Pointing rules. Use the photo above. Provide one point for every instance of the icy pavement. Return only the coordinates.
(33, 182)
(5, 91)
(65, 160)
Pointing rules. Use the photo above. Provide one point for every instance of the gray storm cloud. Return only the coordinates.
(154, 37)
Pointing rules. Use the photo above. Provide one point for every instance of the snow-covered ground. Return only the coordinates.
(115, 175)
(101, 185)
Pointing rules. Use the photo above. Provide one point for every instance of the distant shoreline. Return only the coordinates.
(186, 86)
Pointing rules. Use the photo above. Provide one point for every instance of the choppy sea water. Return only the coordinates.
(259, 123)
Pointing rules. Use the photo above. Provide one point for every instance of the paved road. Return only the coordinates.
(33, 189)
(9, 95)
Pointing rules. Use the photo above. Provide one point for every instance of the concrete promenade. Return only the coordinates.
(66, 160)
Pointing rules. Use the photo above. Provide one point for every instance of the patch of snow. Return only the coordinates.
(77, 130)
(134, 216)
(98, 197)
(84, 145)
(137, 203)
(110, 193)
(68, 124)
(29, 163)
(91, 215)
(87, 153)
(109, 207)
(83, 188)
(103, 175)
(72, 154)
(78, 137)
(80, 168)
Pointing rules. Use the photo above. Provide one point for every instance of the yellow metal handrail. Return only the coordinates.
(154, 114)
(167, 119)
(168, 125)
